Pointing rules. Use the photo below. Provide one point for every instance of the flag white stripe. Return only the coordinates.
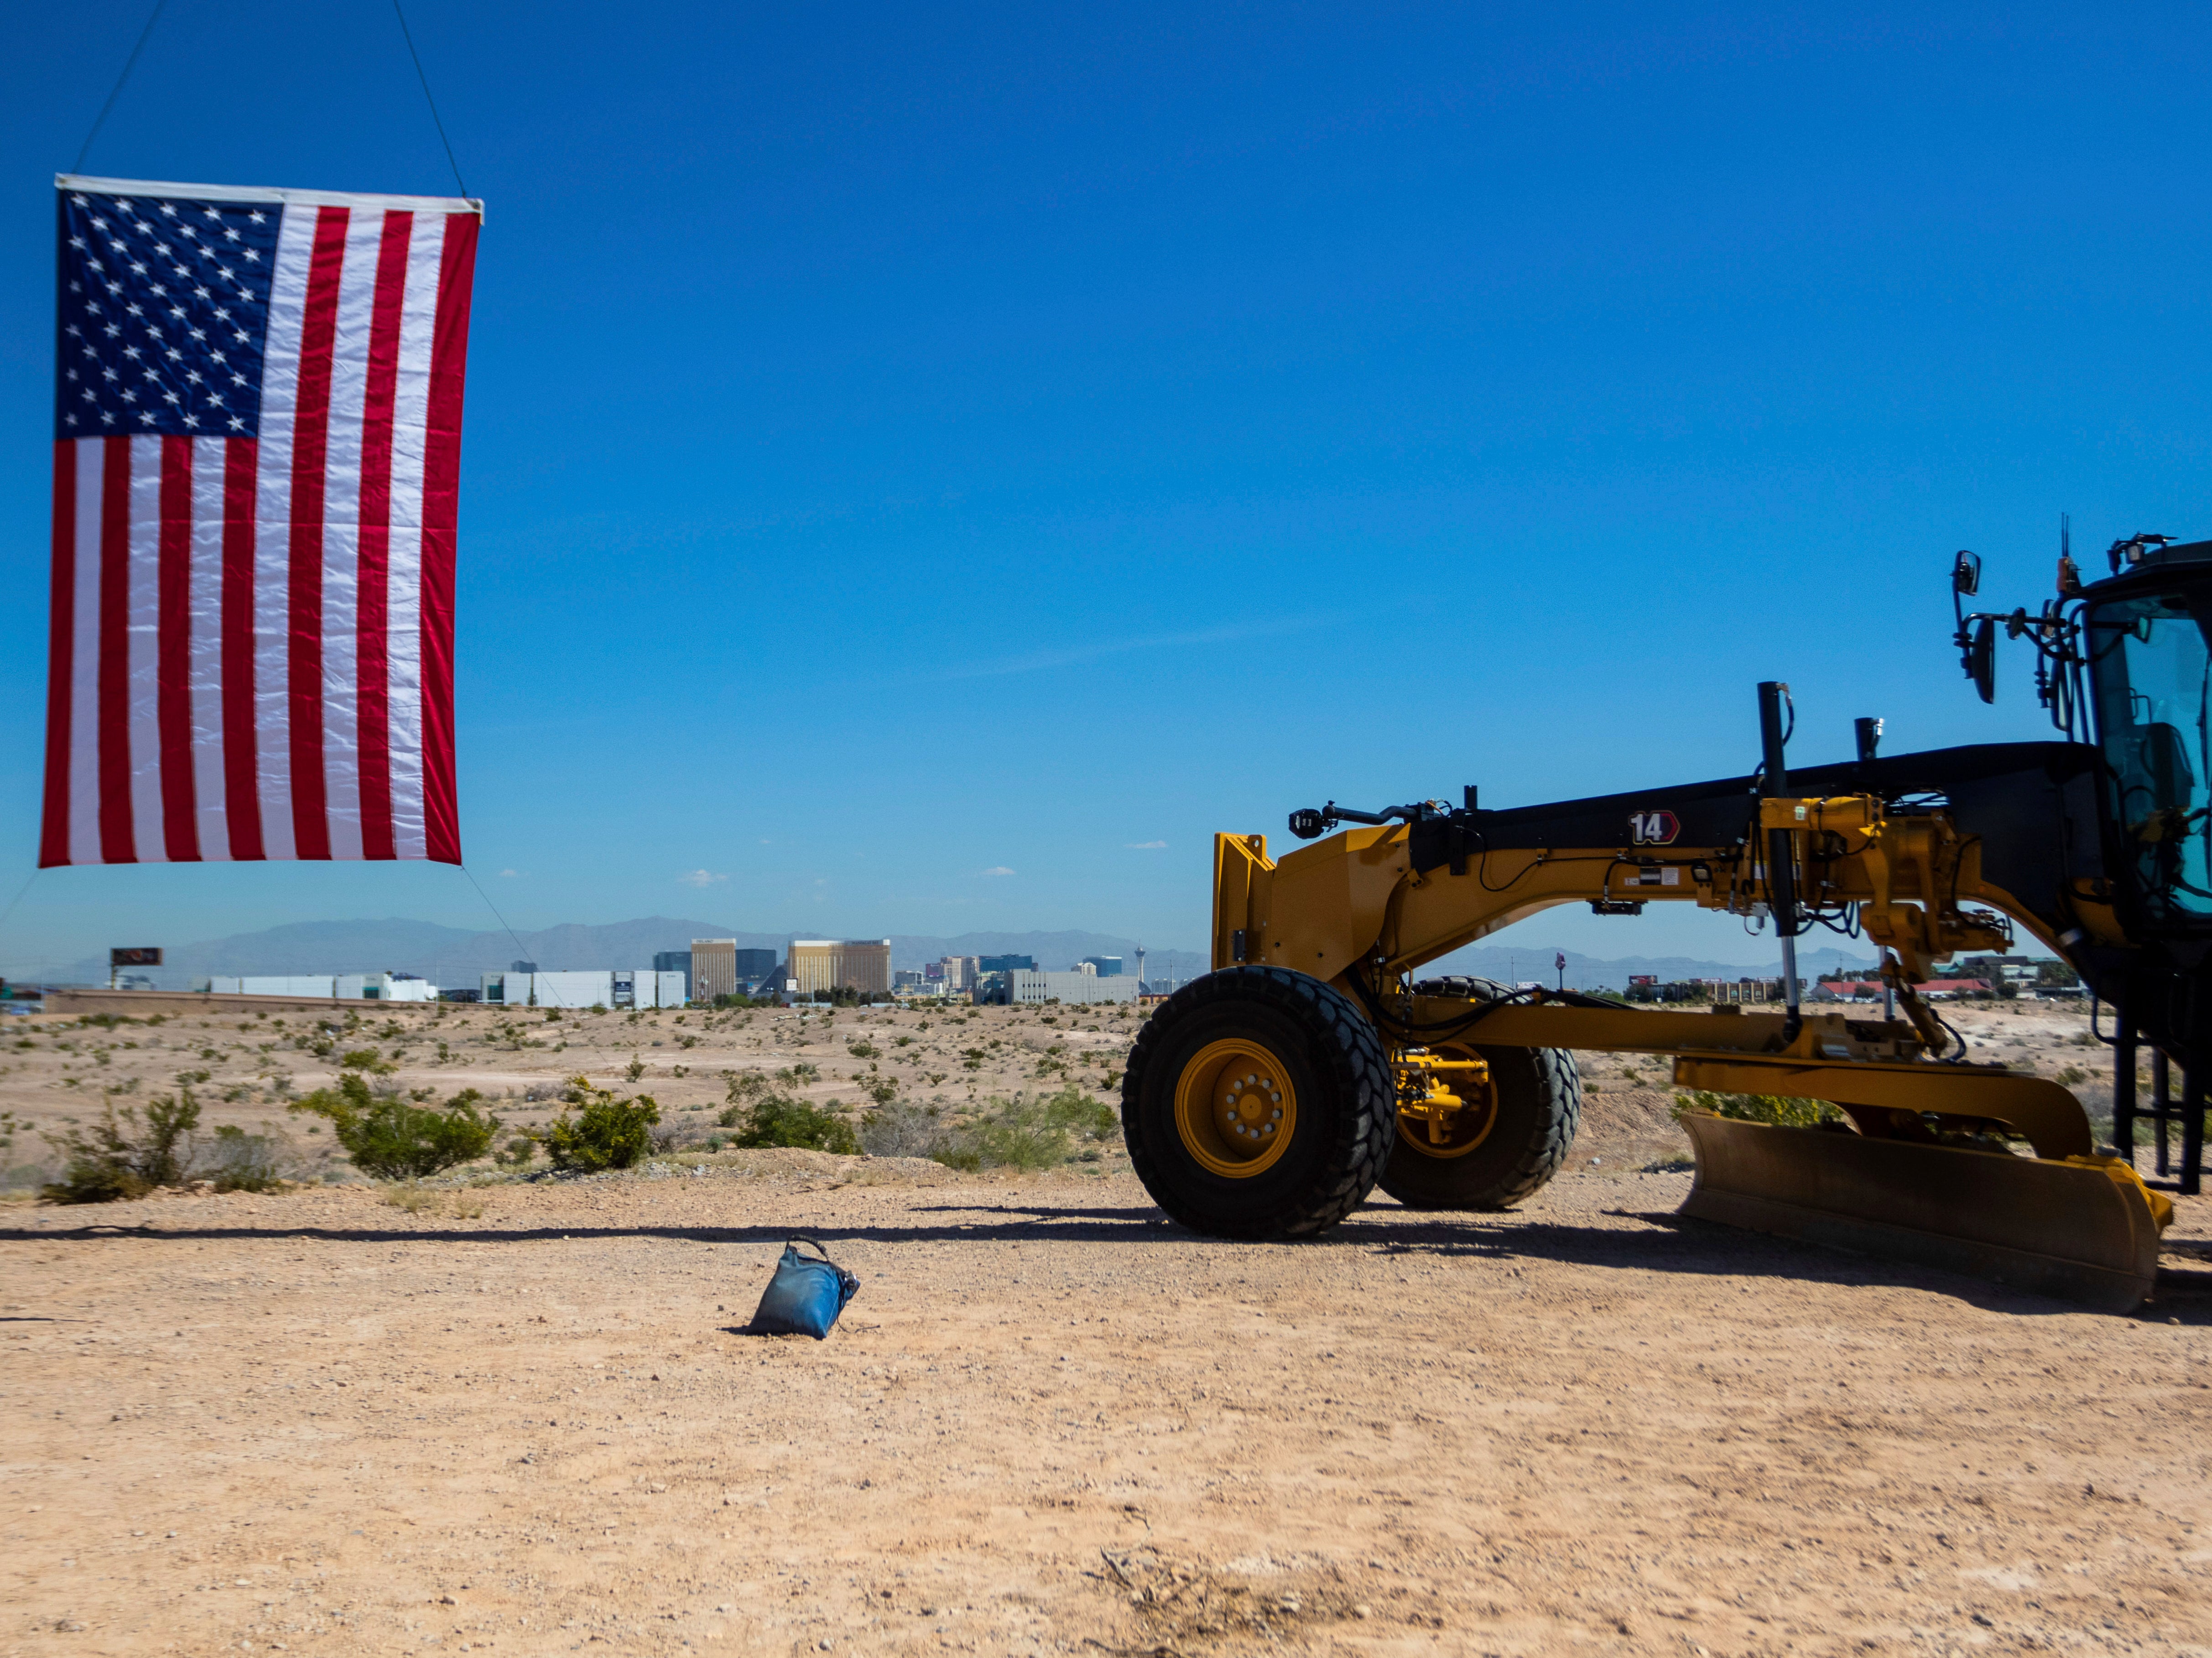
(144, 636)
(212, 819)
(272, 539)
(410, 419)
(342, 536)
(84, 659)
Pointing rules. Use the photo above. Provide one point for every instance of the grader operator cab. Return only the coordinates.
(1269, 1097)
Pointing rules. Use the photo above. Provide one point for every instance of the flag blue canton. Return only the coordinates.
(164, 308)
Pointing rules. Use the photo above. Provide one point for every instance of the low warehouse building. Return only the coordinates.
(1022, 987)
(609, 987)
(347, 986)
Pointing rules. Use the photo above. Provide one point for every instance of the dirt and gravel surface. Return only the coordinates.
(524, 1418)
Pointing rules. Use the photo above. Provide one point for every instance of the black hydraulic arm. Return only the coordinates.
(1781, 867)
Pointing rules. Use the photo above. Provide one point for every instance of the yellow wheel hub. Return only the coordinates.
(1235, 1108)
(1453, 1134)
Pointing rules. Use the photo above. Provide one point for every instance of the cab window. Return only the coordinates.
(2153, 674)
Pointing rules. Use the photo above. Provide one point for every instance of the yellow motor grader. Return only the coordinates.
(1268, 1098)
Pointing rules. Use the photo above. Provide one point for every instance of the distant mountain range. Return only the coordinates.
(458, 956)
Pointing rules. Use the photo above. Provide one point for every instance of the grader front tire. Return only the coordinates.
(1258, 1104)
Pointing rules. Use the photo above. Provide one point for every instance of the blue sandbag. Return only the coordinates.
(805, 1294)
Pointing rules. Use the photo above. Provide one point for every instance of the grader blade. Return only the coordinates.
(2084, 1230)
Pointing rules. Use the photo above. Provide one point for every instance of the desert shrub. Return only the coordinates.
(635, 1069)
(240, 1161)
(1774, 1108)
(391, 1138)
(765, 1114)
(417, 1200)
(360, 1059)
(779, 1119)
(1025, 1133)
(605, 1132)
(903, 1128)
(123, 1155)
(744, 1087)
(862, 1049)
(520, 1152)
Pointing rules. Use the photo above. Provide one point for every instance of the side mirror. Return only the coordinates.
(1982, 658)
(1967, 573)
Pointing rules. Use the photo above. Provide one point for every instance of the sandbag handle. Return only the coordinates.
(819, 1250)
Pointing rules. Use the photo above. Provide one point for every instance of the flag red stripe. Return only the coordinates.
(441, 468)
(61, 627)
(371, 651)
(172, 646)
(117, 844)
(241, 782)
(311, 828)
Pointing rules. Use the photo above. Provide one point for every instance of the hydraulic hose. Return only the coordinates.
(1781, 866)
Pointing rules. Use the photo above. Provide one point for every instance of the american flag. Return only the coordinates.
(257, 452)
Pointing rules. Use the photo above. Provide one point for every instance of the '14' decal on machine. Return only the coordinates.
(1652, 829)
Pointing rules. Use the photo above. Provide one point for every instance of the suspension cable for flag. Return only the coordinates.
(523, 950)
(147, 32)
(128, 64)
(408, 35)
(18, 898)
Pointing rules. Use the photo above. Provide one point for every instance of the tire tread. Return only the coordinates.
(1346, 1045)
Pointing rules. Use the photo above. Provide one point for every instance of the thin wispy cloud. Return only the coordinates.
(700, 877)
(510, 874)
(998, 869)
(1069, 656)
(1147, 845)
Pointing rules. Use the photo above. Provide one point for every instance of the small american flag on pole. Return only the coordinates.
(257, 457)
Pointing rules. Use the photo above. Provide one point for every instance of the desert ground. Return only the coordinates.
(520, 1415)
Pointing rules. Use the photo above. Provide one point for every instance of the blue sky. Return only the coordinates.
(927, 470)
